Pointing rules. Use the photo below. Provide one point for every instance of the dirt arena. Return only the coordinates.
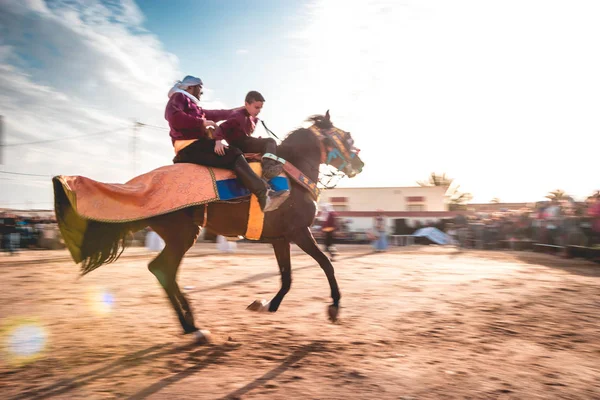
(416, 323)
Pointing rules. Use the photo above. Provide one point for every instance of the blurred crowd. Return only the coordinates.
(556, 222)
(20, 232)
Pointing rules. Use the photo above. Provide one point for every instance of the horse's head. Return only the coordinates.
(337, 146)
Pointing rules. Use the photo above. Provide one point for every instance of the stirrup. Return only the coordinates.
(272, 166)
(275, 199)
(270, 171)
(272, 156)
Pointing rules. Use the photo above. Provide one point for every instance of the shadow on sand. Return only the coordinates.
(304, 350)
(202, 357)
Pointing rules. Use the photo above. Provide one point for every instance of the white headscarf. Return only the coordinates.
(180, 87)
(326, 208)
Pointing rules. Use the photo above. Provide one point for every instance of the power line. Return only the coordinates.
(133, 149)
(162, 128)
(113, 130)
(22, 173)
(46, 180)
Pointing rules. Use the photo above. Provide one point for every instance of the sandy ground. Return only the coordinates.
(416, 323)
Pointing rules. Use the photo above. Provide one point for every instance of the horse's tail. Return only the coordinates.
(103, 243)
(91, 243)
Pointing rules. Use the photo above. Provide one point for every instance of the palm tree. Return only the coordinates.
(594, 195)
(558, 194)
(436, 180)
(456, 200)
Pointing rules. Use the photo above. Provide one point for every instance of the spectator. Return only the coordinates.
(552, 216)
(594, 214)
(10, 236)
(381, 243)
(330, 225)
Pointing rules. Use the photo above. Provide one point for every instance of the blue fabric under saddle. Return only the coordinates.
(230, 189)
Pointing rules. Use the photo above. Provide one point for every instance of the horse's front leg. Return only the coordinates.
(282, 253)
(305, 240)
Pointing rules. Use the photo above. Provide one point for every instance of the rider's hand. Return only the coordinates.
(208, 122)
(220, 147)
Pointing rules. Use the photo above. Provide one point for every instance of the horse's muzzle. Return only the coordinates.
(354, 168)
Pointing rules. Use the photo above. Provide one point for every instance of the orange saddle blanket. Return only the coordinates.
(163, 190)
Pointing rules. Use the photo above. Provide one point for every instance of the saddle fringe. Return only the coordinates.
(91, 243)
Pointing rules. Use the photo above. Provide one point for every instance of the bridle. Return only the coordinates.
(331, 178)
(339, 152)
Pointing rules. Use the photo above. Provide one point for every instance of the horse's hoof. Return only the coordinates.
(259, 306)
(333, 312)
(202, 336)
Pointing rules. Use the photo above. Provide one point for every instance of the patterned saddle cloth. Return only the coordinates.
(163, 190)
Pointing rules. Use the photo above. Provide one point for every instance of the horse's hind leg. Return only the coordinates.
(166, 274)
(179, 233)
(282, 253)
(305, 240)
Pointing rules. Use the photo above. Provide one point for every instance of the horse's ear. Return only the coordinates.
(327, 117)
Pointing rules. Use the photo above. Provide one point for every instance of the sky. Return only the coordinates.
(502, 96)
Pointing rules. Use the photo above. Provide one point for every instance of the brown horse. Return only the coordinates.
(305, 148)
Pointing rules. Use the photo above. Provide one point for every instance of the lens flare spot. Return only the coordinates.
(23, 341)
(100, 301)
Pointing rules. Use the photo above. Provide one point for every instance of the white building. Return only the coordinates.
(359, 206)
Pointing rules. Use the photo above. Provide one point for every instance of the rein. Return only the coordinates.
(340, 151)
(268, 130)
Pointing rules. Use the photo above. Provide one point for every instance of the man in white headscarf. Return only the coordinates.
(187, 120)
(194, 144)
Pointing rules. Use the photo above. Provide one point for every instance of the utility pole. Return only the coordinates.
(134, 139)
(1, 140)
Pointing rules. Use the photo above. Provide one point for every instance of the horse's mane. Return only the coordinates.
(303, 138)
(321, 121)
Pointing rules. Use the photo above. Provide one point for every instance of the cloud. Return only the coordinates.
(479, 90)
(77, 67)
(475, 89)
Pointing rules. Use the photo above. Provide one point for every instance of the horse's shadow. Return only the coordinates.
(304, 350)
(289, 361)
(203, 357)
(211, 357)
